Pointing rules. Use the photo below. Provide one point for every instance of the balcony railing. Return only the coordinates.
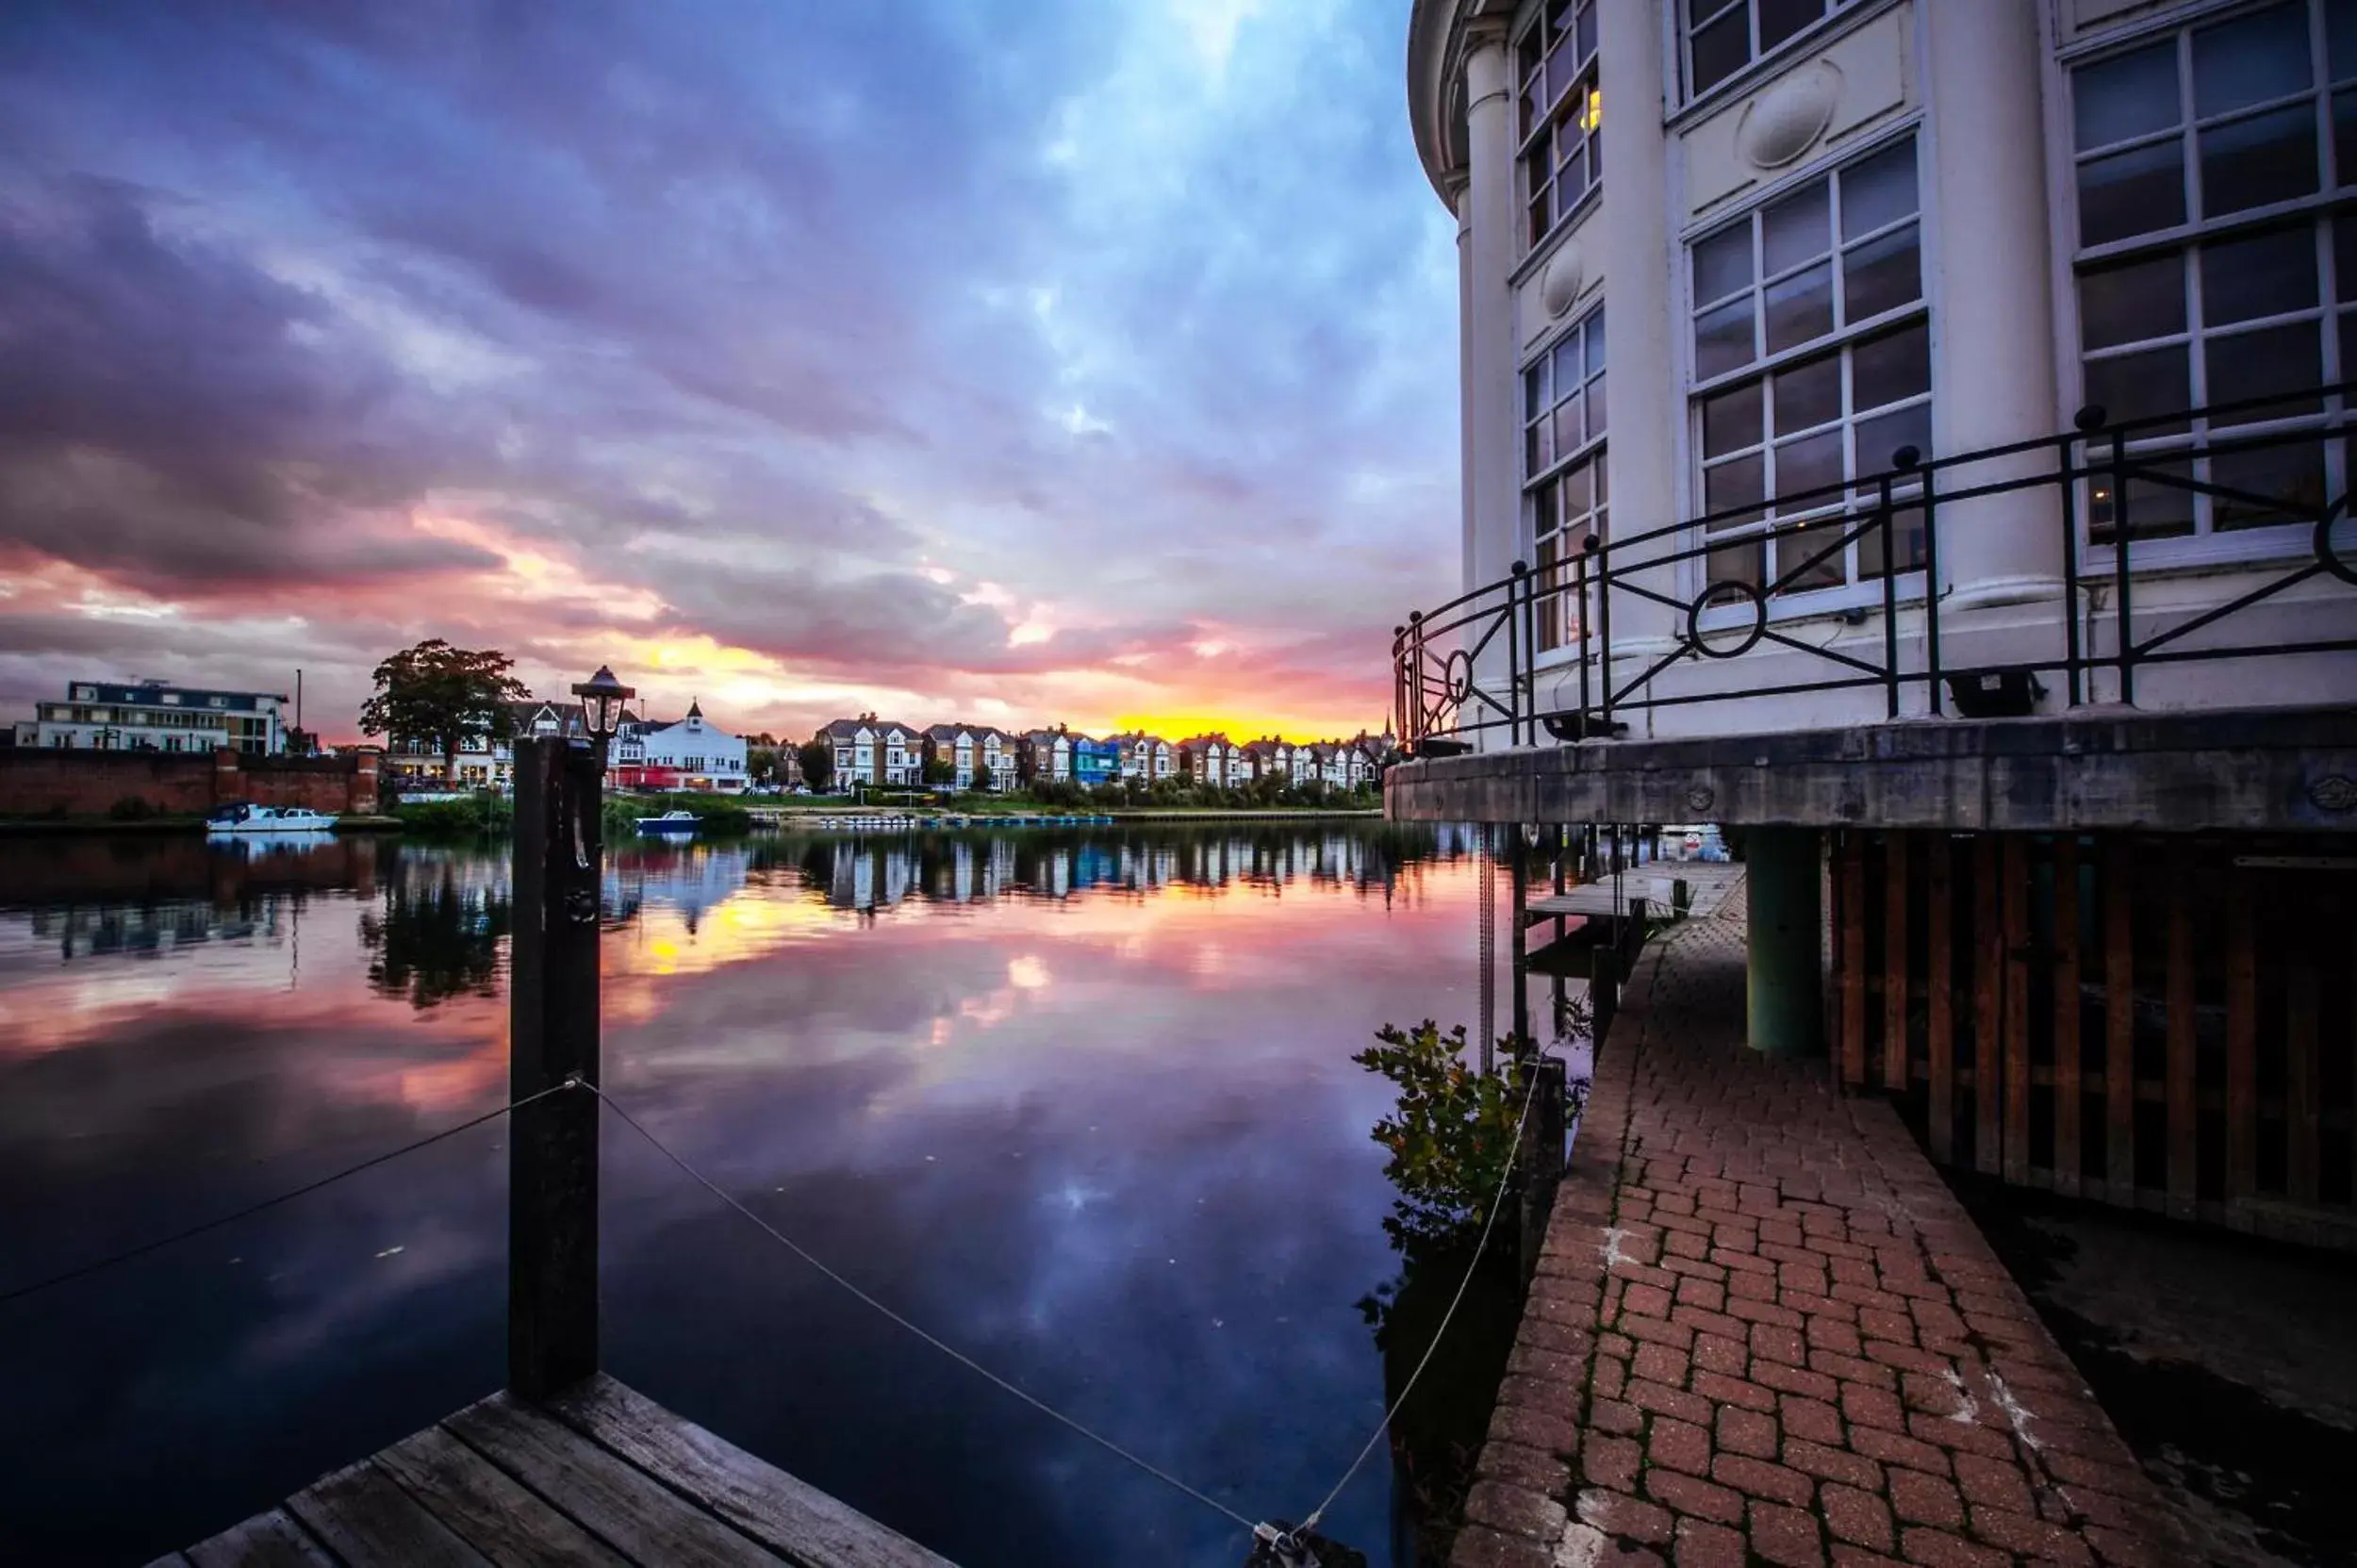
(1476, 666)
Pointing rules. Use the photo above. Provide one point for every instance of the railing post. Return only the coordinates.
(1890, 601)
(2086, 421)
(1911, 459)
(1581, 575)
(1415, 676)
(2126, 632)
(552, 1036)
(1517, 597)
(1603, 622)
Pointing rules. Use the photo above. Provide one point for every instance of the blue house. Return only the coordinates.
(1094, 762)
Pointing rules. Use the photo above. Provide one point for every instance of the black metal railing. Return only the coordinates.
(1535, 651)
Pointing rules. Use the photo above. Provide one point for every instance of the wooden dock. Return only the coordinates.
(597, 1475)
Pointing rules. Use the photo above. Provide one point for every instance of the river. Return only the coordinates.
(1079, 1101)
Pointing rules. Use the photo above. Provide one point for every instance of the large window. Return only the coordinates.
(1725, 36)
(1812, 365)
(2214, 263)
(1566, 494)
(1563, 112)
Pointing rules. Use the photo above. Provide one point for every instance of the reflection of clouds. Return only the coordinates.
(1026, 972)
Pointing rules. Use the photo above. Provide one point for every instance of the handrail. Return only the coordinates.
(1471, 664)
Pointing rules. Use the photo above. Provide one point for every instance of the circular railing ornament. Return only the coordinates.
(1711, 598)
(2328, 557)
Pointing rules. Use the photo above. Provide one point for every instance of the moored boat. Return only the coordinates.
(668, 825)
(245, 816)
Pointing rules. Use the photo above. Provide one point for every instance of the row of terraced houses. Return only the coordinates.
(879, 752)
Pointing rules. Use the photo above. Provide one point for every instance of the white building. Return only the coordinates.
(872, 750)
(1821, 233)
(1048, 753)
(692, 753)
(151, 716)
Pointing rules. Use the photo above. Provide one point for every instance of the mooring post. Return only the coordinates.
(552, 1036)
(1538, 1157)
(1520, 951)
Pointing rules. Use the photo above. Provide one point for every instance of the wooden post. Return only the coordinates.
(2242, 1042)
(2015, 896)
(1540, 1155)
(2299, 1074)
(2120, 1023)
(1853, 937)
(1939, 934)
(2179, 1067)
(1895, 891)
(1988, 967)
(552, 1035)
(1518, 866)
(2069, 1111)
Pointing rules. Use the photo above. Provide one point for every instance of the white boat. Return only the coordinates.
(246, 817)
(670, 822)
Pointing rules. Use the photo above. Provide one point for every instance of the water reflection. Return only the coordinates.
(1081, 1101)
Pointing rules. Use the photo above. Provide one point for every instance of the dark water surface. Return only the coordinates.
(1081, 1102)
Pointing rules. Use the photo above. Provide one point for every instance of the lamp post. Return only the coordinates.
(602, 701)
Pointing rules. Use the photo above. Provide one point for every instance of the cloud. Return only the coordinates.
(755, 337)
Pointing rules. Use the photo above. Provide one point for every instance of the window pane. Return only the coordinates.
(1538, 448)
(1593, 334)
(1564, 64)
(1731, 419)
(1737, 563)
(1566, 356)
(1722, 263)
(2269, 157)
(1811, 463)
(1907, 533)
(2340, 37)
(1721, 48)
(1586, 30)
(1722, 340)
(2285, 485)
(1574, 492)
(1809, 395)
(2344, 255)
(1545, 516)
(2155, 508)
(1893, 366)
(1535, 399)
(1879, 191)
(2129, 95)
(2257, 364)
(1885, 434)
(1797, 229)
(1567, 432)
(2345, 137)
(2251, 59)
(2267, 274)
(2131, 192)
(2135, 386)
(1801, 307)
(2130, 303)
(1780, 19)
(1736, 483)
(1881, 274)
(1595, 406)
(1807, 559)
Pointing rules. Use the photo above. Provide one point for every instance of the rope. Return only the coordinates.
(947, 1349)
(1496, 1204)
(288, 1197)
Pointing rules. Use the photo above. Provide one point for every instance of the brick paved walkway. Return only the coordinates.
(1764, 1331)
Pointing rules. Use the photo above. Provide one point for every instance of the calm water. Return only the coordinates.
(1079, 1103)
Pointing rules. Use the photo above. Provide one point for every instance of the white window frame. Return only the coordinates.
(1856, 591)
(2335, 298)
(1589, 452)
(1534, 119)
(1682, 19)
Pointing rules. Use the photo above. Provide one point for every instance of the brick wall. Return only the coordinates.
(89, 784)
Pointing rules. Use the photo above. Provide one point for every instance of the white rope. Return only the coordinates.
(1496, 1203)
(948, 1350)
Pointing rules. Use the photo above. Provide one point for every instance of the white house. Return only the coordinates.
(150, 716)
(1204, 758)
(691, 753)
(1047, 754)
(873, 751)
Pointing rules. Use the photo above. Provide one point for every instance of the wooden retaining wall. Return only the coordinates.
(2163, 1022)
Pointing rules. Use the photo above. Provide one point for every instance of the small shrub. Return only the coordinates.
(131, 808)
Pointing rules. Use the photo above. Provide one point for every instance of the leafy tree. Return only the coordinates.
(817, 760)
(441, 696)
(940, 771)
(761, 764)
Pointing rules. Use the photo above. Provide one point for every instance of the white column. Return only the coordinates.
(1494, 427)
(1992, 313)
(1460, 202)
(1641, 318)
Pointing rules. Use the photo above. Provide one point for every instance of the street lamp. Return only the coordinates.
(602, 699)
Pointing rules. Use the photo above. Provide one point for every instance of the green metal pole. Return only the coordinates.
(1783, 979)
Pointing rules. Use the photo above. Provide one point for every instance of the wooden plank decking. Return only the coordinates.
(600, 1476)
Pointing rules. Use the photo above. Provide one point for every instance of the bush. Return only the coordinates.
(131, 808)
(487, 814)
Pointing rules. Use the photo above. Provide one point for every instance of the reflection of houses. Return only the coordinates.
(688, 753)
(149, 716)
(691, 879)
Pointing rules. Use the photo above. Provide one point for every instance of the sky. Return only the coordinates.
(1012, 361)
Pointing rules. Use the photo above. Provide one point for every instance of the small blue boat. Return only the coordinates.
(670, 824)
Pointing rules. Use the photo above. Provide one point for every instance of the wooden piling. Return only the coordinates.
(2069, 1111)
(1989, 965)
(1895, 892)
(1941, 1024)
(2242, 1041)
(2300, 1119)
(2014, 898)
(1853, 931)
(2182, 1143)
(2120, 1023)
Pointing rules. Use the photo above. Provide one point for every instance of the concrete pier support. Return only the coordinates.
(1784, 981)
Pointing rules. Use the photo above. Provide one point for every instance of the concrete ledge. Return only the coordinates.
(2257, 771)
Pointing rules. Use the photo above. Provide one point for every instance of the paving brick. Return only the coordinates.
(1778, 1343)
(1481, 1547)
(1664, 1400)
(1722, 1390)
(1611, 1462)
(1813, 1420)
(1747, 1431)
(1992, 1483)
(1659, 1363)
(1899, 1449)
(1727, 1356)
(1757, 1477)
(1701, 1544)
(1872, 1406)
(1832, 1464)
(1921, 1499)
(1858, 1517)
(1795, 1380)
(1686, 1496)
(1624, 1517)
(1785, 1535)
(1614, 1415)
(1679, 1445)
(1939, 1549)
(1514, 1511)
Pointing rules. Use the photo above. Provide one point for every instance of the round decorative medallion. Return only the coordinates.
(1786, 120)
(2334, 792)
(1701, 798)
(1566, 270)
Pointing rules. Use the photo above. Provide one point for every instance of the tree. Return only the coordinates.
(441, 696)
(817, 760)
(940, 771)
(761, 764)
